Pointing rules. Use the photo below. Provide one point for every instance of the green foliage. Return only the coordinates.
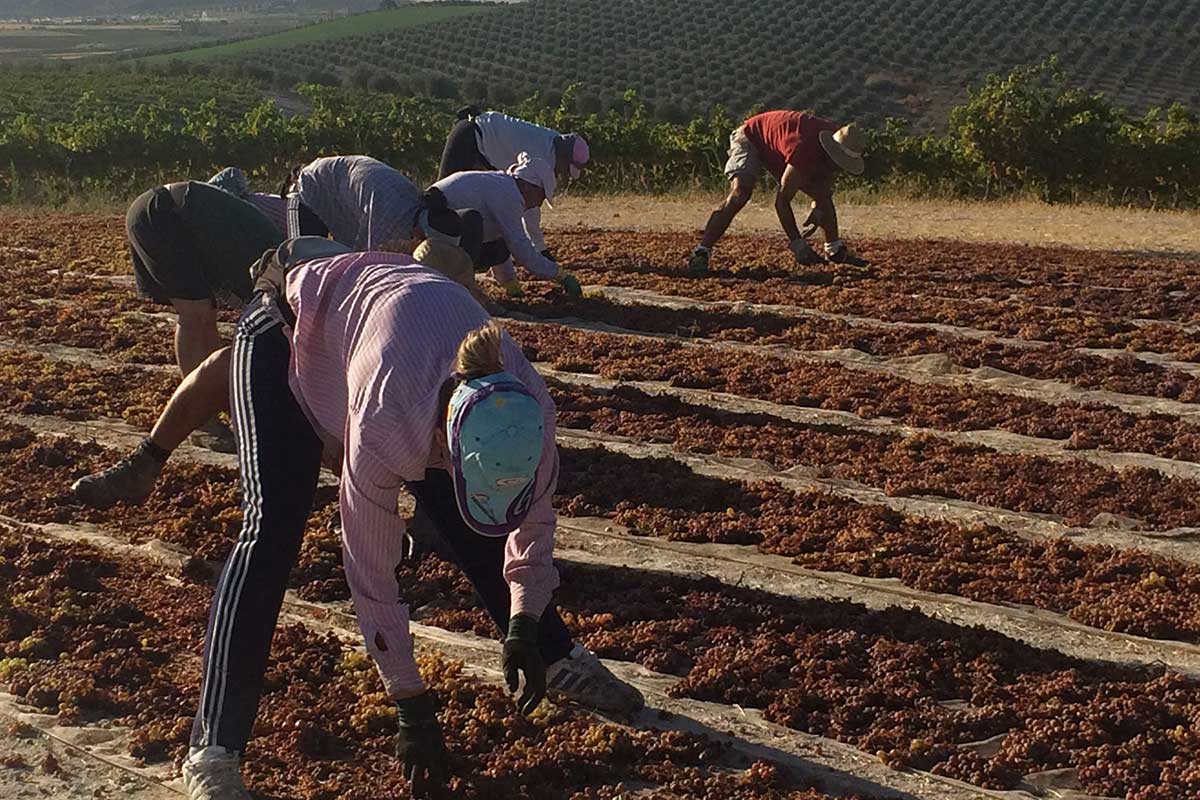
(51, 92)
(1029, 128)
(1025, 132)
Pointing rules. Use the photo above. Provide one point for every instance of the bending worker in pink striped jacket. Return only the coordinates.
(400, 370)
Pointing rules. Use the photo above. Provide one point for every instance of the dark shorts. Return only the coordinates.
(461, 153)
(192, 241)
(166, 262)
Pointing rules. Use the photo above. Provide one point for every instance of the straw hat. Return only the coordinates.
(846, 147)
(451, 261)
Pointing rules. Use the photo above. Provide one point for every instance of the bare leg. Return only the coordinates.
(740, 190)
(199, 398)
(195, 333)
(203, 394)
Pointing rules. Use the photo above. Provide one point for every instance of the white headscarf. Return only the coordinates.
(536, 171)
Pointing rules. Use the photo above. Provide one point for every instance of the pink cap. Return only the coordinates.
(580, 154)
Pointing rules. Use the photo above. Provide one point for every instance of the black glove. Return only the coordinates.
(570, 284)
(521, 654)
(548, 255)
(420, 746)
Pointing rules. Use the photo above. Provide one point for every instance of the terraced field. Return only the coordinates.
(926, 529)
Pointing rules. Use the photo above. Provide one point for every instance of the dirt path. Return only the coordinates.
(1174, 233)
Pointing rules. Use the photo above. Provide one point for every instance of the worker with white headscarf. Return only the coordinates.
(491, 141)
(501, 198)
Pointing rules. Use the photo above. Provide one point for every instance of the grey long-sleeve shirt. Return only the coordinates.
(364, 202)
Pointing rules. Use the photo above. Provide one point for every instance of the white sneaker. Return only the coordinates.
(582, 678)
(213, 773)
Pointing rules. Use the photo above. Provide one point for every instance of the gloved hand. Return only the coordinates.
(803, 252)
(547, 254)
(513, 288)
(522, 655)
(419, 744)
(838, 253)
(570, 284)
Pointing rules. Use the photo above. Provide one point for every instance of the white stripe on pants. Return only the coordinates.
(233, 576)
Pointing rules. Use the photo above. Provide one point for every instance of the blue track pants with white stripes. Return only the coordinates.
(279, 459)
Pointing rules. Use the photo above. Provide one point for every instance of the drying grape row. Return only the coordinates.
(895, 683)
(92, 636)
(758, 268)
(87, 636)
(813, 384)
(196, 506)
(1123, 373)
(808, 384)
(903, 466)
(34, 384)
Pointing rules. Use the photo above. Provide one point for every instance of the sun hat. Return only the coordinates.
(537, 171)
(232, 180)
(451, 261)
(495, 431)
(576, 149)
(845, 147)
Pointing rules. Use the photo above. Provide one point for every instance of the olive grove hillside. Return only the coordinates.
(868, 59)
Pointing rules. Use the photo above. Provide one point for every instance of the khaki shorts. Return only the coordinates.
(744, 161)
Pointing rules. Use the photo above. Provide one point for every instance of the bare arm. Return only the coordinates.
(789, 185)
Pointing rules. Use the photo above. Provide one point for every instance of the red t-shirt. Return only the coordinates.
(790, 137)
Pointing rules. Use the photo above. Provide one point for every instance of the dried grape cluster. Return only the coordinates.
(128, 337)
(193, 505)
(35, 384)
(92, 243)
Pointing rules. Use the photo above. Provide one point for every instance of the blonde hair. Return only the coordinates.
(479, 353)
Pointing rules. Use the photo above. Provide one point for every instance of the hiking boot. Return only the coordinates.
(213, 773)
(582, 678)
(214, 435)
(698, 261)
(130, 480)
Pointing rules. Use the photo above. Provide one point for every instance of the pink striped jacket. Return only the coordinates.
(375, 338)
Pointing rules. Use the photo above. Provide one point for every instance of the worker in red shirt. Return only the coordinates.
(804, 152)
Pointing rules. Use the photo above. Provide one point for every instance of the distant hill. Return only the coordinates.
(24, 9)
(858, 58)
(327, 34)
